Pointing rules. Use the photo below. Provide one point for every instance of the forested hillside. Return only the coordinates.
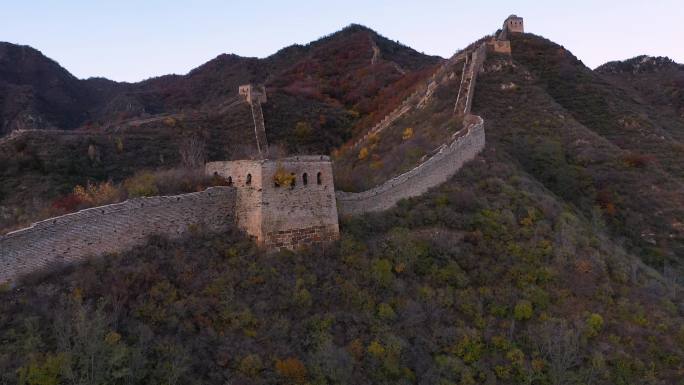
(490, 278)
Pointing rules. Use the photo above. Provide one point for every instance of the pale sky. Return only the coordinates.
(128, 40)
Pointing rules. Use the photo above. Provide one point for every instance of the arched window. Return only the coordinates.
(249, 179)
(319, 179)
(305, 179)
(230, 181)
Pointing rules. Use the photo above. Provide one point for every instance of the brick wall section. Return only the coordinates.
(416, 100)
(499, 46)
(112, 228)
(405, 106)
(434, 171)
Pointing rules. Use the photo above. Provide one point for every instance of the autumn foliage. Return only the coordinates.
(292, 369)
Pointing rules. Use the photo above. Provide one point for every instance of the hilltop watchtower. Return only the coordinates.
(502, 43)
(513, 24)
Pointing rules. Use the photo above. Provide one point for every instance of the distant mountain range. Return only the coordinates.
(338, 70)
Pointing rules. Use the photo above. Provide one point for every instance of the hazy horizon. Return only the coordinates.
(128, 41)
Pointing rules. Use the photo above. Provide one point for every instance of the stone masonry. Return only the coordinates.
(499, 46)
(512, 24)
(112, 228)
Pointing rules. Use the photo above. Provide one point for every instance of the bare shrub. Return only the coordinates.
(180, 180)
(277, 151)
(192, 151)
(559, 344)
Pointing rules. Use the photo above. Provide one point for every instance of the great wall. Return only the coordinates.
(112, 228)
(445, 161)
(302, 212)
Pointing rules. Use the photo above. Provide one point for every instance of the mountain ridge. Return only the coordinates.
(170, 91)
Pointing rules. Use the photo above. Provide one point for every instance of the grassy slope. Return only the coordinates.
(564, 123)
(610, 111)
(656, 82)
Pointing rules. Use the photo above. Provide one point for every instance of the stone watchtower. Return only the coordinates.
(283, 203)
(513, 24)
(502, 43)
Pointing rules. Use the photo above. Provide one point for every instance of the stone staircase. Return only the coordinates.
(259, 128)
(405, 106)
(466, 90)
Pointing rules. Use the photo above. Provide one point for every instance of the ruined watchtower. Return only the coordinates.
(513, 24)
(502, 43)
(283, 203)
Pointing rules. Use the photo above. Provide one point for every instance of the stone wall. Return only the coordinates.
(405, 106)
(418, 99)
(433, 172)
(259, 129)
(255, 95)
(471, 68)
(499, 46)
(246, 177)
(444, 162)
(464, 100)
(112, 228)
